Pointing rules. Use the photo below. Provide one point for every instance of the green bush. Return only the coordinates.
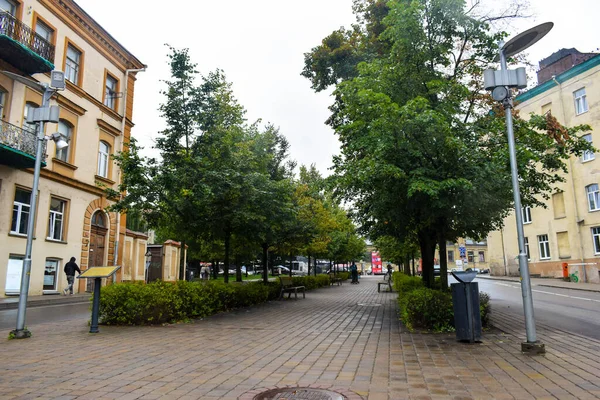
(428, 309)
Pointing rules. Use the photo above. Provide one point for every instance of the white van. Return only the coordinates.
(299, 268)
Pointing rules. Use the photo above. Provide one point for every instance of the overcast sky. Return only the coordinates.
(260, 46)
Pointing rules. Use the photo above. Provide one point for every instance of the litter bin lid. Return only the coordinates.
(464, 276)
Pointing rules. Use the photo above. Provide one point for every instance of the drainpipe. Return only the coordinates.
(123, 121)
(577, 218)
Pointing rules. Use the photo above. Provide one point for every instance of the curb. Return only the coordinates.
(541, 284)
(48, 302)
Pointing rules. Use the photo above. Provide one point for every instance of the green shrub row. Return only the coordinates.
(430, 309)
(137, 303)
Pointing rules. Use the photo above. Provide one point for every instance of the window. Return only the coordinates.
(450, 255)
(29, 106)
(2, 103)
(564, 247)
(481, 256)
(558, 205)
(44, 31)
(588, 155)
(547, 108)
(526, 214)
(596, 239)
(527, 248)
(593, 196)
(581, 105)
(73, 64)
(21, 208)
(51, 273)
(66, 131)
(56, 220)
(103, 152)
(8, 6)
(470, 256)
(110, 92)
(544, 247)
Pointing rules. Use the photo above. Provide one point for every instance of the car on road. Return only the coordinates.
(436, 270)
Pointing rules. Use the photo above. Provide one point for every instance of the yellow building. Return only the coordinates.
(568, 231)
(37, 36)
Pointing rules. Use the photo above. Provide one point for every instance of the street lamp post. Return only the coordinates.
(500, 83)
(45, 113)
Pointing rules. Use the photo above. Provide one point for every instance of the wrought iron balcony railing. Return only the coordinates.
(23, 140)
(18, 31)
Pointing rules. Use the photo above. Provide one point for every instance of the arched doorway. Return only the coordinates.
(97, 243)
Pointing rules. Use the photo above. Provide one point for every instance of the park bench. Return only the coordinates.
(387, 283)
(287, 285)
(333, 278)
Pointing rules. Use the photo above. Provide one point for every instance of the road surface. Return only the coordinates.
(38, 315)
(566, 309)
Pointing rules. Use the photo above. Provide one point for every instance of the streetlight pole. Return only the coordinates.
(523, 264)
(20, 332)
(45, 113)
(501, 82)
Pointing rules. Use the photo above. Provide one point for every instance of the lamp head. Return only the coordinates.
(59, 140)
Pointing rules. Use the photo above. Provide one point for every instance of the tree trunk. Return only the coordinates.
(427, 241)
(413, 264)
(214, 268)
(308, 265)
(238, 269)
(265, 263)
(443, 262)
(291, 262)
(407, 267)
(226, 261)
(182, 261)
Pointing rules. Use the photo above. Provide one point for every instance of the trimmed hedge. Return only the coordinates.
(430, 309)
(160, 302)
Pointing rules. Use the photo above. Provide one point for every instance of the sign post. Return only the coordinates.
(97, 273)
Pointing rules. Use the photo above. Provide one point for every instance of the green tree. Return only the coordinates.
(420, 153)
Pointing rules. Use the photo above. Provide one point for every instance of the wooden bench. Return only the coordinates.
(387, 283)
(287, 285)
(333, 278)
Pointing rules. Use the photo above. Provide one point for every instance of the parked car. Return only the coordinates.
(436, 270)
(282, 270)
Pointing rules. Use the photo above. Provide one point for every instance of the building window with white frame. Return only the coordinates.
(29, 107)
(596, 239)
(450, 255)
(65, 129)
(103, 157)
(21, 210)
(2, 103)
(526, 211)
(544, 247)
(588, 155)
(110, 92)
(51, 274)
(481, 256)
(56, 221)
(581, 104)
(593, 195)
(72, 64)
(44, 31)
(527, 248)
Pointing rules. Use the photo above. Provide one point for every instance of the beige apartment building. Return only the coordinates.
(568, 230)
(37, 36)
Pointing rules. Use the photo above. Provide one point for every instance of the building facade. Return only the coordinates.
(37, 36)
(568, 230)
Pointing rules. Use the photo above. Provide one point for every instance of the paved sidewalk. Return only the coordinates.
(345, 338)
(12, 302)
(547, 282)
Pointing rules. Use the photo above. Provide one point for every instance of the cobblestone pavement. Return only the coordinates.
(343, 338)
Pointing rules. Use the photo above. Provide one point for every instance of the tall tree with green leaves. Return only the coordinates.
(420, 153)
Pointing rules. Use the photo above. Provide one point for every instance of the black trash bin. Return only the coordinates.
(465, 301)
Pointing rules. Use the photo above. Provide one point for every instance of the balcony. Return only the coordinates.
(17, 146)
(24, 49)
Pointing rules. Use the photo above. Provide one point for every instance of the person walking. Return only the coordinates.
(70, 269)
(354, 273)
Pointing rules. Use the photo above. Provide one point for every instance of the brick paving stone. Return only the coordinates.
(327, 340)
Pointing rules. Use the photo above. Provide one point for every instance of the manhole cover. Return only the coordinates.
(299, 394)
(369, 304)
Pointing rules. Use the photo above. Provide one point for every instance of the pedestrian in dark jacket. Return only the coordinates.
(70, 269)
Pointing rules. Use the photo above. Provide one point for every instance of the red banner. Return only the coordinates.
(376, 263)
